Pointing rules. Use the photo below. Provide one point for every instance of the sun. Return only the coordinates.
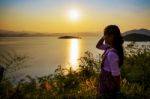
(73, 14)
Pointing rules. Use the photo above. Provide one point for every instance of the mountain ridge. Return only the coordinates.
(131, 35)
(138, 31)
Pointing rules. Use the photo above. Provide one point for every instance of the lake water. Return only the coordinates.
(46, 53)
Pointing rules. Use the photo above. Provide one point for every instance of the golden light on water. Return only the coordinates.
(74, 52)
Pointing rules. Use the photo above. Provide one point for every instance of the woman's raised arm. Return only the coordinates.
(100, 42)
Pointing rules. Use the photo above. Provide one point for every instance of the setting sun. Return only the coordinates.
(74, 14)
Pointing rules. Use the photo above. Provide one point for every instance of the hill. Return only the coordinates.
(137, 35)
(5, 33)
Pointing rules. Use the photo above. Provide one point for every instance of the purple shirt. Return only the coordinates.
(111, 61)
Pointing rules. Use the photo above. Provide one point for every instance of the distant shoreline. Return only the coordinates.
(132, 35)
(47, 35)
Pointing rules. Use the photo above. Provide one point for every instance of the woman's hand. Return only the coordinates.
(100, 42)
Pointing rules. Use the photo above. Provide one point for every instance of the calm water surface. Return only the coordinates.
(46, 53)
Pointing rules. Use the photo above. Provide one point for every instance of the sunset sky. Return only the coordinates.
(73, 15)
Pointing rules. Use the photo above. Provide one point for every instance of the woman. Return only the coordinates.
(112, 59)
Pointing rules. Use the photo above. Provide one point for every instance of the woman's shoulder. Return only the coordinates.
(104, 46)
(112, 52)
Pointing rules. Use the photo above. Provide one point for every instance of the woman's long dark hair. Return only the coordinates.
(117, 41)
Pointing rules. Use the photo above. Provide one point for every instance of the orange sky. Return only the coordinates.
(52, 16)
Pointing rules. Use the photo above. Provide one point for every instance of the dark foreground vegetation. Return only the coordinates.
(79, 84)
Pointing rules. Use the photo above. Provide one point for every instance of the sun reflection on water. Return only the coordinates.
(74, 52)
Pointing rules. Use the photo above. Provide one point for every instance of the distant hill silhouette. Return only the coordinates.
(5, 33)
(132, 35)
(137, 35)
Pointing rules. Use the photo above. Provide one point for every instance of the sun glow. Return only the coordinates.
(74, 54)
(74, 14)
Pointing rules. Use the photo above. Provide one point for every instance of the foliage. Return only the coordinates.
(136, 67)
(11, 61)
(89, 66)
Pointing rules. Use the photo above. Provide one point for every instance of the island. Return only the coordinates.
(69, 37)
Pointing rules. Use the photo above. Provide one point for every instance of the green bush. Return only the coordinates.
(136, 68)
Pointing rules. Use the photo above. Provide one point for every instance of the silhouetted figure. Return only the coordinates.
(1, 72)
(109, 79)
